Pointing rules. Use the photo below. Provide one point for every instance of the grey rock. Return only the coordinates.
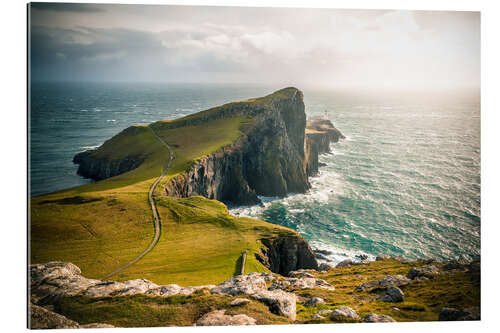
(300, 274)
(377, 318)
(239, 301)
(387, 281)
(382, 257)
(174, 289)
(317, 316)
(41, 318)
(113, 288)
(219, 318)
(344, 312)
(325, 312)
(344, 263)
(324, 267)
(241, 284)
(279, 302)
(313, 301)
(423, 272)
(361, 257)
(452, 314)
(392, 294)
(302, 283)
(56, 279)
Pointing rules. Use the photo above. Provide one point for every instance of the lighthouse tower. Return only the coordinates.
(325, 116)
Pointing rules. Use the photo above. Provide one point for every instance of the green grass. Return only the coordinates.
(423, 299)
(144, 311)
(103, 225)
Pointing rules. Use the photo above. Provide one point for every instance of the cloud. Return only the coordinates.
(66, 7)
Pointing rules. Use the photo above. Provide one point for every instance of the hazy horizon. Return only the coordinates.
(341, 49)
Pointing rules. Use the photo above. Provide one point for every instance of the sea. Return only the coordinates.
(405, 181)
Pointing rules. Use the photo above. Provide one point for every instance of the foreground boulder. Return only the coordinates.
(377, 318)
(392, 294)
(219, 318)
(452, 314)
(279, 302)
(56, 279)
(343, 313)
(388, 281)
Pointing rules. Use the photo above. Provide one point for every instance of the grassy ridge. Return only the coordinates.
(103, 225)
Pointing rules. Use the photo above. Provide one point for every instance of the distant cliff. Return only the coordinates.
(273, 157)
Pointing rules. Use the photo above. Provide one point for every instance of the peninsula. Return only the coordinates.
(153, 236)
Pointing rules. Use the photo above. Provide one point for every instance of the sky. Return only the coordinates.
(330, 48)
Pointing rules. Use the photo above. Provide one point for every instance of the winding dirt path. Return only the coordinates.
(153, 208)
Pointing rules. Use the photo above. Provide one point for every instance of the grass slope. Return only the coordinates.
(103, 225)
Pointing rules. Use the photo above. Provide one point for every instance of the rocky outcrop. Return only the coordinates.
(279, 302)
(377, 318)
(287, 253)
(422, 273)
(387, 281)
(313, 301)
(343, 313)
(392, 294)
(326, 126)
(219, 318)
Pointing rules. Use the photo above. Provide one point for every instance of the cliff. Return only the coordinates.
(273, 155)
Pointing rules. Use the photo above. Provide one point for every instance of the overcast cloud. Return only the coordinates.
(301, 47)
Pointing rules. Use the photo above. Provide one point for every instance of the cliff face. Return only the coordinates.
(268, 160)
(285, 254)
(217, 176)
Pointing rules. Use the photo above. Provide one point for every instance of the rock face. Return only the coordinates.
(285, 254)
(219, 318)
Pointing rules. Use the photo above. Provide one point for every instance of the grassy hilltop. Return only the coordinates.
(103, 225)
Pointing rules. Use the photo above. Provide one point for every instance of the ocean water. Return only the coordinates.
(405, 181)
